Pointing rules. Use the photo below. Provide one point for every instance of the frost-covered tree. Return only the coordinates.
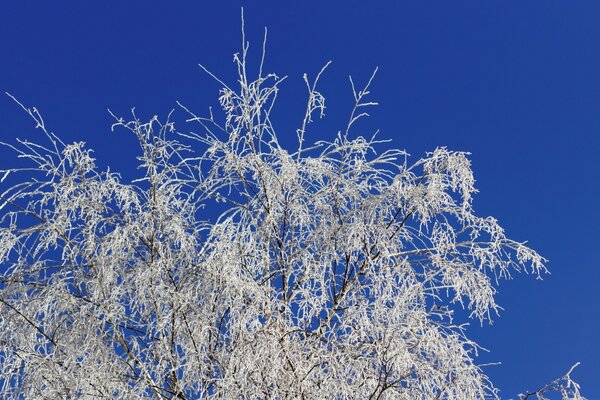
(326, 271)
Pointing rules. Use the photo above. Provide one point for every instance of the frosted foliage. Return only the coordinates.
(234, 268)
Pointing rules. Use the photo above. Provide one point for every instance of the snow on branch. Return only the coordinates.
(233, 267)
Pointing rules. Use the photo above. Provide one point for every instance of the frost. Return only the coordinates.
(331, 271)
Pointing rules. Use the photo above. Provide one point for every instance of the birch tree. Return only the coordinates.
(237, 268)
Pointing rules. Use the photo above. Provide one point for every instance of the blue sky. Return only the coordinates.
(515, 83)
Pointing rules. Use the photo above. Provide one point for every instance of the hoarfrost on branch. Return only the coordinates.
(331, 271)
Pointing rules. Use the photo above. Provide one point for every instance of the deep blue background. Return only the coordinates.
(516, 83)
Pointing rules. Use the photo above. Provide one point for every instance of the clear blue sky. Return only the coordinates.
(516, 83)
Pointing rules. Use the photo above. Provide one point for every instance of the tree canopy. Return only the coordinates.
(237, 268)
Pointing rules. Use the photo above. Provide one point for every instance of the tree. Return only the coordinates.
(332, 271)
